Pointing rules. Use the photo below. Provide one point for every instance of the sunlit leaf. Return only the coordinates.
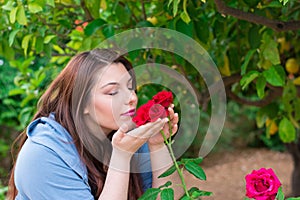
(21, 17)
(12, 36)
(25, 43)
(13, 14)
(248, 78)
(34, 7)
(275, 75)
(287, 132)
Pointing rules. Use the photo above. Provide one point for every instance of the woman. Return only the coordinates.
(81, 141)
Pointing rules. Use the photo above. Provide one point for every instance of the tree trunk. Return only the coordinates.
(294, 150)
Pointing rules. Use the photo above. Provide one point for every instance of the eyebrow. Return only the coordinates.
(114, 83)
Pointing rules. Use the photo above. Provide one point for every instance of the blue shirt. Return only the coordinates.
(49, 167)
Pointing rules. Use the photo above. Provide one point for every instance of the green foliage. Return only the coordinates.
(3, 191)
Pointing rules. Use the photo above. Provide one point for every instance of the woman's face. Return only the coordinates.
(113, 100)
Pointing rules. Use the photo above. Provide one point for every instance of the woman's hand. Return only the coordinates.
(127, 143)
(157, 140)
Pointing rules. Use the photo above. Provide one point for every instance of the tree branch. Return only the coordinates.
(144, 10)
(272, 94)
(277, 25)
(87, 13)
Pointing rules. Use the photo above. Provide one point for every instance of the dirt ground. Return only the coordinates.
(225, 171)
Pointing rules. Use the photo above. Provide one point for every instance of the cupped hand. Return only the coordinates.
(168, 129)
(127, 142)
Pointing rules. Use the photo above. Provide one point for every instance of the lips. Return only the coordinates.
(129, 113)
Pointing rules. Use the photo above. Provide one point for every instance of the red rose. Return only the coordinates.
(154, 108)
(142, 114)
(157, 111)
(262, 184)
(164, 98)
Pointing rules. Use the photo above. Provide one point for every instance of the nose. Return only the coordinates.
(132, 98)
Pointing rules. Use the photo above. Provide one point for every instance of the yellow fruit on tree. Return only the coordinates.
(284, 45)
(153, 20)
(225, 69)
(292, 66)
(296, 81)
(272, 127)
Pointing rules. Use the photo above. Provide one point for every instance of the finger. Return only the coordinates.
(174, 129)
(171, 112)
(175, 119)
(146, 130)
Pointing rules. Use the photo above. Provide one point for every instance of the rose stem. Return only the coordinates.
(169, 145)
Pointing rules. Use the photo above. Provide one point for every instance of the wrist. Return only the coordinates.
(120, 160)
(156, 147)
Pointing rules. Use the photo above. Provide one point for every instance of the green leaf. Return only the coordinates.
(260, 86)
(50, 3)
(108, 31)
(8, 6)
(185, 17)
(39, 44)
(150, 194)
(195, 160)
(12, 36)
(275, 75)
(199, 193)
(296, 104)
(168, 172)
(269, 49)
(196, 170)
(94, 7)
(246, 61)
(93, 26)
(175, 7)
(25, 43)
(287, 132)
(280, 195)
(167, 184)
(34, 7)
(48, 38)
(13, 14)
(273, 4)
(248, 78)
(16, 91)
(293, 198)
(184, 197)
(167, 194)
(185, 28)
(21, 17)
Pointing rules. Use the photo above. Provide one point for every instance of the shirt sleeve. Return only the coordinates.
(41, 174)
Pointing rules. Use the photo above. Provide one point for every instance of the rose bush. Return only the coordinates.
(262, 184)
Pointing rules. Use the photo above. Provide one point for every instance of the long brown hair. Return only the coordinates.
(77, 80)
